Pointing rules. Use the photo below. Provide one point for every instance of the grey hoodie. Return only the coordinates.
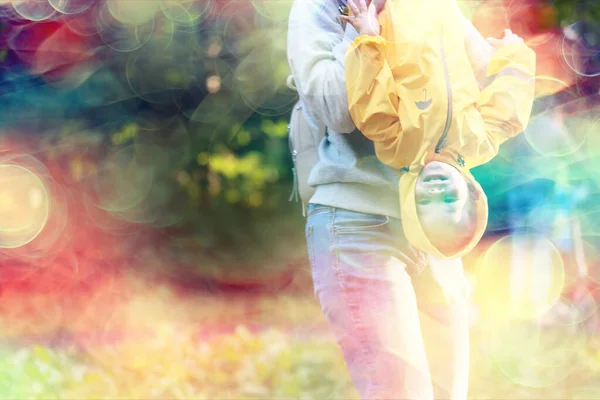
(348, 174)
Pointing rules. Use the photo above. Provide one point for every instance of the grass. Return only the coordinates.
(134, 336)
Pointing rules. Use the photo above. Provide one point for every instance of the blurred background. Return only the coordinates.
(147, 245)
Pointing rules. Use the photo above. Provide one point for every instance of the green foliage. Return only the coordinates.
(240, 178)
(240, 220)
(243, 171)
(566, 9)
(237, 241)
(240, 365)
(173, 364)
(127, 132)
(167, 352)
(272, 129)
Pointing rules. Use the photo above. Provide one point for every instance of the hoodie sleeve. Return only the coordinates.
(316, 47)
(504, 106)
(369, 77)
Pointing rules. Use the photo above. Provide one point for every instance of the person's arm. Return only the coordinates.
(369, 77)
(504, 106)
(316, 48)
(479, 52)
(373, 100)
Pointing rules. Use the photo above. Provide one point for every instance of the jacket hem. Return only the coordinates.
(368, 199)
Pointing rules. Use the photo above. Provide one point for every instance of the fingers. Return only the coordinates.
(509, 37)
(363, 5)
(495, 42)
(353, 7)
(348, 19)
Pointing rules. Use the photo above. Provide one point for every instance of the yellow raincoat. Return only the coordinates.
(413, 92)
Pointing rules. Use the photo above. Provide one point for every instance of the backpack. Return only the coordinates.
(304, 147)
(304, 139)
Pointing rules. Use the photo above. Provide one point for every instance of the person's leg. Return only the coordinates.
(443, 311)
(359, 265)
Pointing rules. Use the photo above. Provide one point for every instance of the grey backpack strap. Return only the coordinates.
(290, 83)
(304, 138)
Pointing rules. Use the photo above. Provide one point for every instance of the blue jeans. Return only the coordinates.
(400, 337)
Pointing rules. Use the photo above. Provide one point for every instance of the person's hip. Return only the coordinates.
(360, 243)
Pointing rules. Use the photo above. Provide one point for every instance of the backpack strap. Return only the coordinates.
(290, 83)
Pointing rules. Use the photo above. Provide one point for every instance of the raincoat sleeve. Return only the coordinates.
(479, 52)
(372, 97)
(315, 49)
(504, 106)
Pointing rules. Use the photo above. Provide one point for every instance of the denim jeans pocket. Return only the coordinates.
(354, 222)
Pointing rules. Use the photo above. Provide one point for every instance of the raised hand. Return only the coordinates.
(363, 17)
(509, 37)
